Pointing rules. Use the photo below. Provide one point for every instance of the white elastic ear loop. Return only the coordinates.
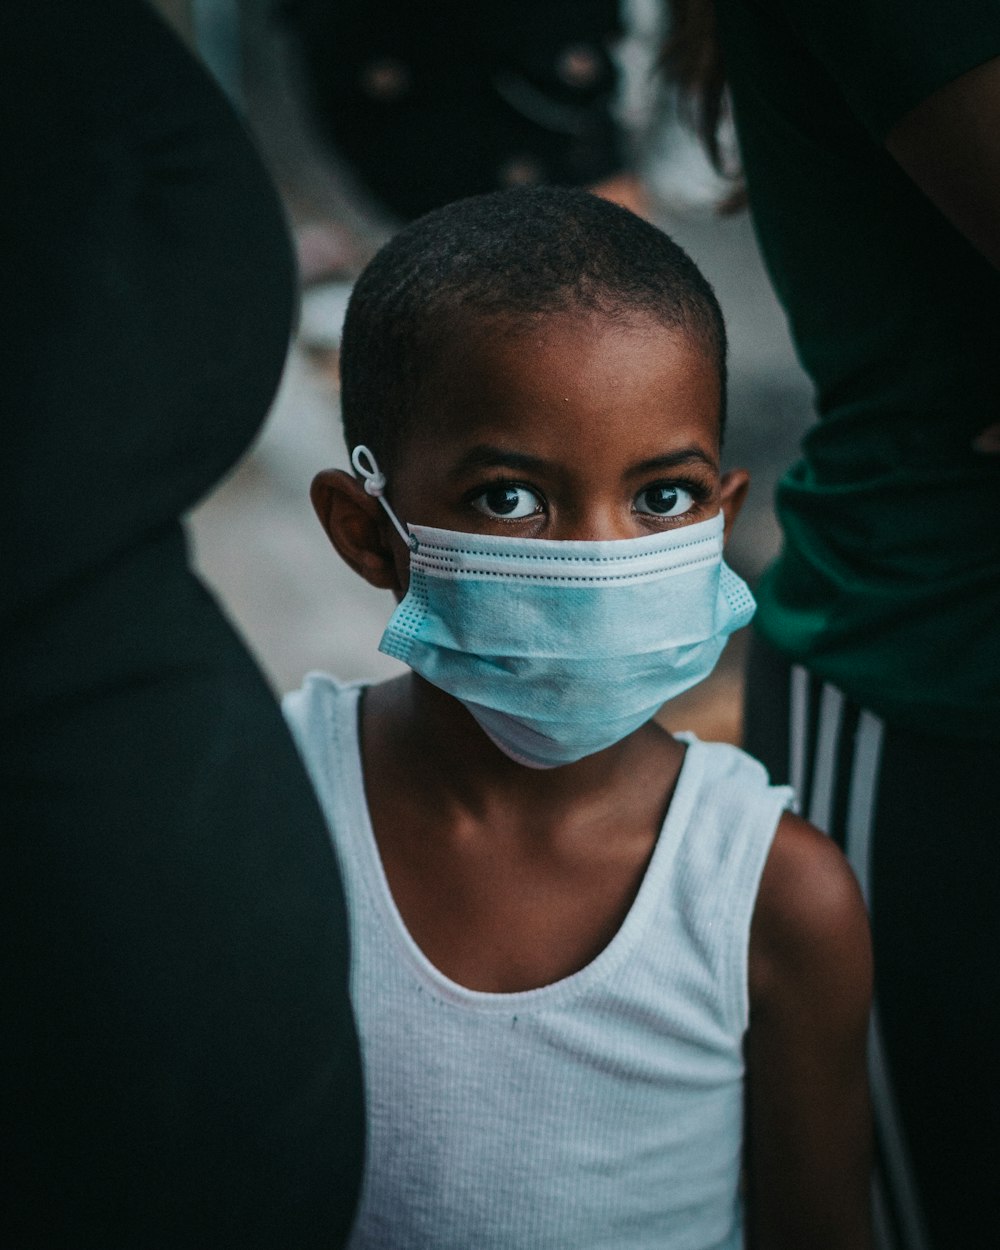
(374, 480)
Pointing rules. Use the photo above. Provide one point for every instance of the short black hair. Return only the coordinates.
(506, 255)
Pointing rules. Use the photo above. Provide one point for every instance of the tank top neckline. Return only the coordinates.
(598, 970)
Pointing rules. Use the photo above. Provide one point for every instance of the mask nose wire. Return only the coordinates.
(374, 479)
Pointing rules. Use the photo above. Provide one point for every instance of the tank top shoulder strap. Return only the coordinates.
(322, 716)
(732, 813)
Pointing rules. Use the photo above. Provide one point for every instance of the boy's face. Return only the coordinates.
(574, 427)
(577, 427)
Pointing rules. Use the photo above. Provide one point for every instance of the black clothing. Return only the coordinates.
(181, 1066)
(916, 815)
(427, 103)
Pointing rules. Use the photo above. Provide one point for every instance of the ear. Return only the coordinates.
(352, 521)
(733, 492)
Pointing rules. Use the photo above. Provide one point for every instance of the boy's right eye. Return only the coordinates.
(507, 502)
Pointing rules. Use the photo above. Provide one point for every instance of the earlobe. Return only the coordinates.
(350, 518)
(733, 493)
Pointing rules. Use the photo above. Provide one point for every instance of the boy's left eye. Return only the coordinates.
(664, 499)
(509, 502)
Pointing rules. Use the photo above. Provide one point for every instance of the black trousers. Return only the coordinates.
(919, 818)
(180, 1065)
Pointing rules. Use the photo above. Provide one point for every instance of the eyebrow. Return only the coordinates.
(686, 455)
(484, 455)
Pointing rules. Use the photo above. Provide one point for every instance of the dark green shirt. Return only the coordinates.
(889, 581)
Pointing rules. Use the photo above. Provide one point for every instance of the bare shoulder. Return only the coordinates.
(810, 926)
(809, 1143)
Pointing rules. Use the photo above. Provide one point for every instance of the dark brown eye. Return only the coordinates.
(507, 501)
(664, 499)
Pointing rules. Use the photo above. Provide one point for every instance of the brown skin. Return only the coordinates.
(809, 1142)
(509, 878)
(627, 190)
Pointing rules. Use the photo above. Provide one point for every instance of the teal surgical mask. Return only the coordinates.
(560, 649)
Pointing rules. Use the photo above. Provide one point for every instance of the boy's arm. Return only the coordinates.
(808, 1115)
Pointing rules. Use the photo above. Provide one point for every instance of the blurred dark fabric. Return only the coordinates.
(428, 103)
(181, 1066)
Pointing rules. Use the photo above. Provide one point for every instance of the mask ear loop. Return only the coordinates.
(374, 479)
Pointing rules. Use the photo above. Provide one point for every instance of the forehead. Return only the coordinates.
(574, 384)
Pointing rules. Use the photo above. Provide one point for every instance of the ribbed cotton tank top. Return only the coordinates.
(601, 1112)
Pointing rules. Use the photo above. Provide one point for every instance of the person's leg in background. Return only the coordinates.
(919, 817)
(181, 1067)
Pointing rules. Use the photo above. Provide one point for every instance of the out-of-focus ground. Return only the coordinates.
(255, 538)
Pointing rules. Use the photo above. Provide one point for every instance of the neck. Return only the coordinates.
(426, 737)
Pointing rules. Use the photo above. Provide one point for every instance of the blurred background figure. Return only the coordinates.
(433, 102)
(180, 1064)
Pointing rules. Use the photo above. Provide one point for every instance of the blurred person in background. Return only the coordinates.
(181, 1065)
(869, 139)
(429, 103)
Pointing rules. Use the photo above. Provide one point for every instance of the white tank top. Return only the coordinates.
(602, 1112)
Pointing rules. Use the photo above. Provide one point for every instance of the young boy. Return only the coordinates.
(599, 972)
